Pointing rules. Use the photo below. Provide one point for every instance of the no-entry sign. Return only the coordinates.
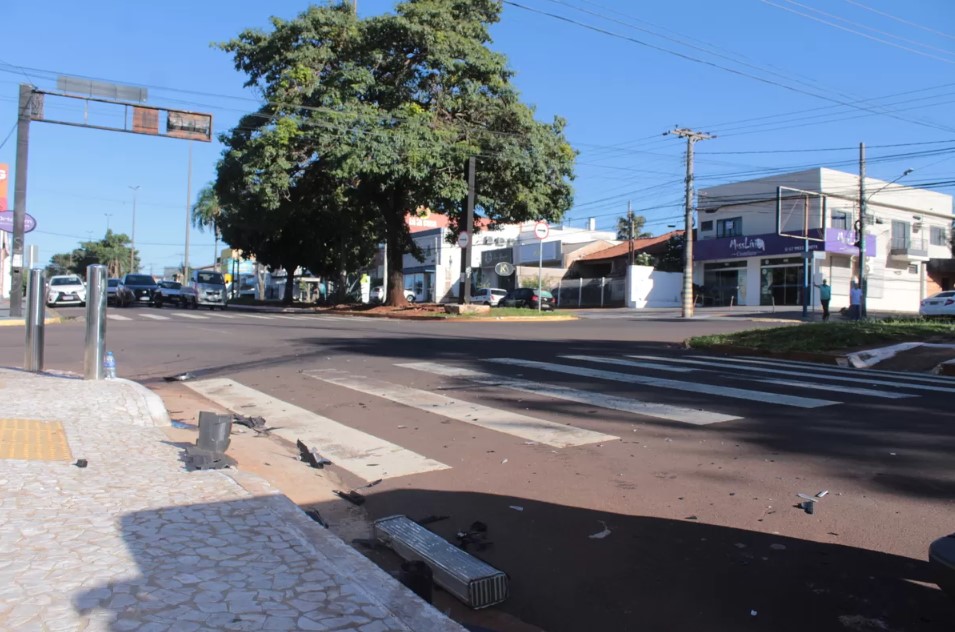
(541, 230)
(463, 239)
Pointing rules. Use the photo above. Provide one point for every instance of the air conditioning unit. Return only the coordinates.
(499, 241)
(488, 241)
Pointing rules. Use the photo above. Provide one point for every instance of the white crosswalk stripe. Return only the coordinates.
(661, 411)
(637, 365)
(155, 316)
(690, 386)
(117, 317)
(516, 424)
(259, 316)
(193, 316)
(859, 377)
(283, 317)
(838, 388)
(815, 367)
(360, 453)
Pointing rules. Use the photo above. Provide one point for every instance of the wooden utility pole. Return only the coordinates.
(630, 229)
(691, 137)
(861, 231)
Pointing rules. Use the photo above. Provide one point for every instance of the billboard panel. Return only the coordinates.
(189, 125)
(4, 176)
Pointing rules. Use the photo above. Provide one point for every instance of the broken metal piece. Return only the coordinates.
(317, 517)
(182, 377)
(311, 456)
(198, 459)
(353, 497)
(81, 463)
(255, 423)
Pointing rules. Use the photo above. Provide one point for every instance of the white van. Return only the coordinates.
(488, 296)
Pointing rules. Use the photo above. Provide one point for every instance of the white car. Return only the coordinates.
(377, 294)
(488, 296)
(66, 289)
(941, 304)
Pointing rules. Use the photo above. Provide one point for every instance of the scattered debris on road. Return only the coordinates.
(255, 423)
(198, 459)
(182, 377)
(317, 517)
(822, 494)
(476, 535)
(353, 497)
(311, 456)
(81, 463)
(516, 507)
(600, 535)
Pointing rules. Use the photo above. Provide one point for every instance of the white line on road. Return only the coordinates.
(259, 316)
(631, 363)
(603, 400)
(816, 368)
(155, 316)
(839, 388)
(728, 363)
(194, 316)
(693, 387)
(358, 452)
(516, 424)
(117, 317)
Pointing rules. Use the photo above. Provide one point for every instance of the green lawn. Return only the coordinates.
(832, 336)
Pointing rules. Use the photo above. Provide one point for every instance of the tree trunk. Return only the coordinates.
(395, 227)
(289, 285)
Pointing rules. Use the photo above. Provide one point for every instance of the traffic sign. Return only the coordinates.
(463, 239)
(541, 230)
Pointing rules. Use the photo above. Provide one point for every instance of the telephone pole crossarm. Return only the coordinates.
(691, 137)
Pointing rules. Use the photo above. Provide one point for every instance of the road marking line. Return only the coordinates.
(523, 426)
(721, 363)
(194, 316)
(631, 363)
(155, 316)
(360, 453)
(288, 317)
(693, 387)
(839, 388)
(625, 404)
(117, 317)
(259, 316)
(816, 368)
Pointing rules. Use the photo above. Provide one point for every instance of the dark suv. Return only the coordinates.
(528, 297)
(142, 287)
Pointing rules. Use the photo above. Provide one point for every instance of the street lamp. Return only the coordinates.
(132, 250)
(863, 202)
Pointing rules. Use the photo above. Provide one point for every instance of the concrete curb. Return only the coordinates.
(871, 357)
(154, 404)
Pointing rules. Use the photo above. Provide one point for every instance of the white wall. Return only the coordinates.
(647, 287)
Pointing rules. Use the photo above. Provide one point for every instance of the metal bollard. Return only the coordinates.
(95, 322)
(36, 303)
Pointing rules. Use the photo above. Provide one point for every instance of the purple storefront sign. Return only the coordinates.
(838, 241)
(6, 222)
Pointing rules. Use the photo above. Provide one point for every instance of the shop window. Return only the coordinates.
(938, 236)
(731, 227)
(901, 235)
(839, 220)
(706, 226)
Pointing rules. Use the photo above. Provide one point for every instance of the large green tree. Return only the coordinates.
(624, 230)
(111, 251)
(389, 109)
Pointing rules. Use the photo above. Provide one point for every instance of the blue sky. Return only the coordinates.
(771, 78)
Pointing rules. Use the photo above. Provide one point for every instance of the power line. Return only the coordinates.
(898, 19)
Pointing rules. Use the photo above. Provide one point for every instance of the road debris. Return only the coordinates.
(778, 547)
(182, 377)
(811, 499)
(317, 517)
(255, 423)
(516, 507)
(429, 519)
(198, 459)
(504, 461)
(600, 535)
(476, 535)
(353, 497)
(182, 425)
(81, 463)
(311, 456)
(822, 494)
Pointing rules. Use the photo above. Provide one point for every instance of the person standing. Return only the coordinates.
(855, 301)
(825, 295)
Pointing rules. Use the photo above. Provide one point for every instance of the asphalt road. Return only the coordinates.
(634, 485)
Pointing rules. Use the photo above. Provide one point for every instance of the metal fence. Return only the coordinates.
(599, 292)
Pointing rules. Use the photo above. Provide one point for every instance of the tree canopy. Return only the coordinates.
(111, 251)
(623, 228)
(366, 120)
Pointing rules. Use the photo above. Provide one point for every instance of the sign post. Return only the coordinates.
(541, 230)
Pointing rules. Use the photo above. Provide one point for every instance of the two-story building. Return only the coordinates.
(764, 241)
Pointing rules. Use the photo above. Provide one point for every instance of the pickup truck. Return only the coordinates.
(205, 288)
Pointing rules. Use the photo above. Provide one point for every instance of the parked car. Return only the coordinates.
(488, 296)
(170, 293)
(377, 294)
(941, 304)
(66, 289)
(118, 294)
(206, 288)
(142, 287)
(528, 297)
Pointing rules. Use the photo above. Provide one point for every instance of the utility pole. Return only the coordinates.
(20, 200)
(861, 231)
(465, 298)
(185, 260)
(691, 137)
(630, 229)
(132, 250)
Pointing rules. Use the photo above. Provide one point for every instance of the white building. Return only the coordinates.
(751, 250)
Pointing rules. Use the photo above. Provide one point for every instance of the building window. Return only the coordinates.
(839, 220)
(706, 226)
(732, 227)
(938, 236)
(901, 235)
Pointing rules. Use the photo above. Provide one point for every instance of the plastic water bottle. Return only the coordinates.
(109, 365)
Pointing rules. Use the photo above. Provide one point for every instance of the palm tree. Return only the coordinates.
(623, 228)
(205, 214)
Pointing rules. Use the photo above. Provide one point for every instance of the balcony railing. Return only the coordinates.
(907, 248)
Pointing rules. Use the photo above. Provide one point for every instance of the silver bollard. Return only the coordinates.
(95, 322)
(36, 302)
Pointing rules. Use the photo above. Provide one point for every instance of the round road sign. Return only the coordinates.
(463, 239)
(541, 230)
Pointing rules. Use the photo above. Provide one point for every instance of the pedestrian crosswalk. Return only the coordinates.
(189, 316)
(712, 390)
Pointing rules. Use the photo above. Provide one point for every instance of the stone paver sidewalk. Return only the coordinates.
(133, 541)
